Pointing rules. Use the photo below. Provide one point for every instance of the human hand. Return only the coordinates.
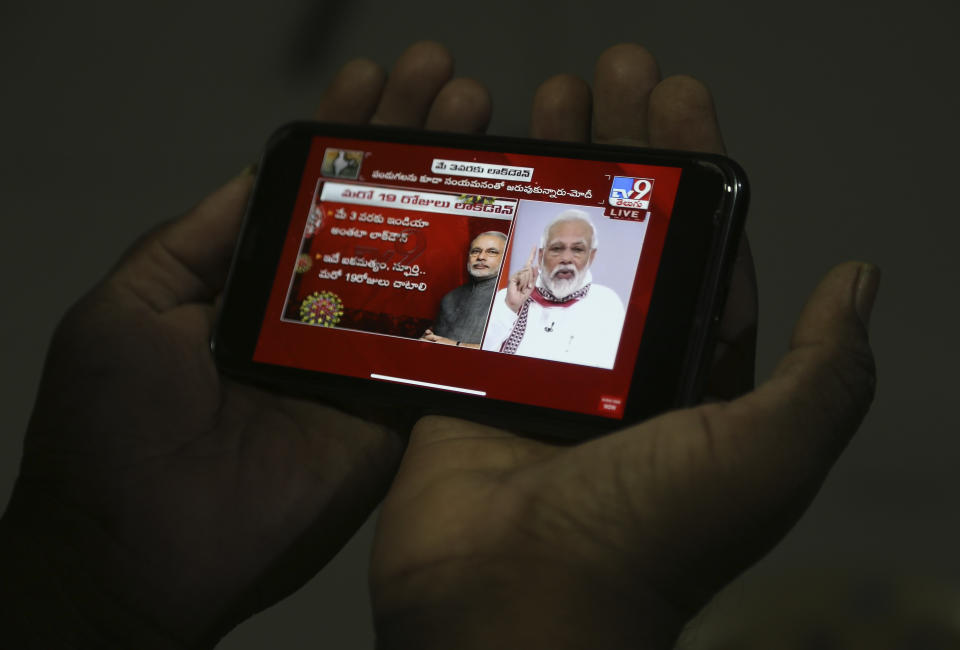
(488, 539)
(436, 338)
(522, 282)
(162, 502)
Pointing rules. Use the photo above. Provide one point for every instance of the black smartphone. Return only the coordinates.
(556, 289)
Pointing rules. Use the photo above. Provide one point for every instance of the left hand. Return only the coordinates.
(167, 502)
(436, 338)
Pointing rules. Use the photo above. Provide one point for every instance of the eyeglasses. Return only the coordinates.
(577, 250)
(493, 252)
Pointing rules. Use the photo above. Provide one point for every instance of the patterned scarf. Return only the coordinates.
(512, 342)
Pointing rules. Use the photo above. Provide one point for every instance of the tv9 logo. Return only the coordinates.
(631, 192)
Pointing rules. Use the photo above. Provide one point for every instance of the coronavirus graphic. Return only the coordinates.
(314, 221)
(321, 308)
(304, 262)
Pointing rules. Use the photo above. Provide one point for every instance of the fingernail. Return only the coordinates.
(868, 281)
(249, 170)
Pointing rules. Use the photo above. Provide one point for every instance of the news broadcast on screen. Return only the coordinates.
(494, 274)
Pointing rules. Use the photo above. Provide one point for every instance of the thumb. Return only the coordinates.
(723, 482)
(822, 388)
(777, 443)
(775, 446)
(186, 260)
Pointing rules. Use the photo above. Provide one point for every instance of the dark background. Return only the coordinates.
(117, 115)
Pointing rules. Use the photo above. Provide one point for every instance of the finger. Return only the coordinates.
(187, 260)
(533, 255)
(796, 423)
(769, 451)
(729, 479)
(526, 280)
(624, 77)
(415, 80)
(774, 446)
(353, 94)
(830, 362)
(682, 116)
(462, 105)
(561, 110)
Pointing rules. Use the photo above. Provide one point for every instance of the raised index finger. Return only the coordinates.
(533, 255)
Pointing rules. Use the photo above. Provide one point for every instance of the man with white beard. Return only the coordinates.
(552, 309)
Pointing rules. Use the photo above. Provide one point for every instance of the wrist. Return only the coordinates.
(519, 609)
(51, 602)
(34, 613)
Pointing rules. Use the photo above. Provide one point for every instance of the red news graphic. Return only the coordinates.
(380, 260)
(382, 233)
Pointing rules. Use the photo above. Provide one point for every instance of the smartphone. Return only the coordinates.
(555, 289)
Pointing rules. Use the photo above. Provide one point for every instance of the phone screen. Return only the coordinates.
(510, 276)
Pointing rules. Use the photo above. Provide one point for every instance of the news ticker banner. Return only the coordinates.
(625, 191)
(418, 200)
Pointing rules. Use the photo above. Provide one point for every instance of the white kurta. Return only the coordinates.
(586, 332)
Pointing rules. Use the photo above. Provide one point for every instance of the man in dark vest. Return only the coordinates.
(463, 311)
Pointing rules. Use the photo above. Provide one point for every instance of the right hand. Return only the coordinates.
(522, 282)
(489, 539)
